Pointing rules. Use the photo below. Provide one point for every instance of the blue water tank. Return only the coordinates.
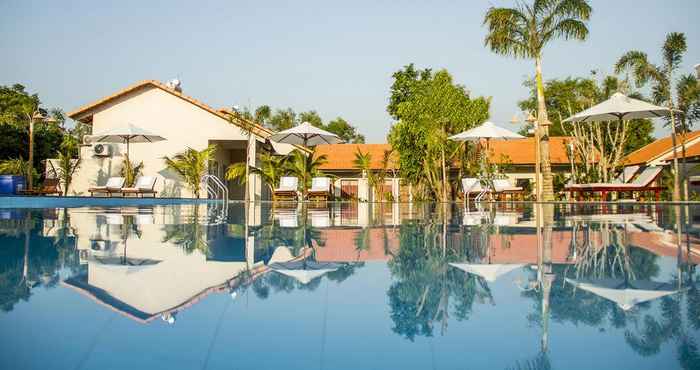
(10, 184)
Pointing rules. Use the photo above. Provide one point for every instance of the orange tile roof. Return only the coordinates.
(691, 150)
(84, 113)
(341, 156)
(656, 149)
(522, 151)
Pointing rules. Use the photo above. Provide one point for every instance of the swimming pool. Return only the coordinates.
(349, 286)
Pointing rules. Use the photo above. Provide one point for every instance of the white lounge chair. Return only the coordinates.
(288, 218)
(143, 185)
(320, 188)
(626, 175)
(288, 188)
(503, 187)
(319, 218)
(472, 185)
(641, 183)
(113, 185)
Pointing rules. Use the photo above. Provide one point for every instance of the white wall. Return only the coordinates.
(182, 123)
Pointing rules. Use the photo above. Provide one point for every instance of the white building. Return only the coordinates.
(184, 122)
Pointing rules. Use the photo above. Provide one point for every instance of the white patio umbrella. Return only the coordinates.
(302, 270)
(305, 134)
(626, 294)
(487, 130)
(127, 134)
(619, 107)
(490, 272)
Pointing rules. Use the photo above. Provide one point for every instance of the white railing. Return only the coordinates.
(216, 189)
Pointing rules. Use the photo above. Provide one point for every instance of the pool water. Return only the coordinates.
(350, 286)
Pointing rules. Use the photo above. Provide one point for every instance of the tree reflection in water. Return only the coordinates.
(192, 234)
(424, 283)
(28, 258)
(425, 291)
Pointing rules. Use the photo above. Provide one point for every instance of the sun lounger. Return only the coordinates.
(503, 187)
(286, 217)
(642, 183)
(288, 188)
(113, 186)
(50, 186)
(320, 188)
(471, 185)
(320, 218)
(626, 175)
(143, 185)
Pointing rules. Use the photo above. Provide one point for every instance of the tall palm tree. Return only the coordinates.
(523, 32)
(272, 167)
(191, 164)
(305, 167)
(661, 78)
(688, 93)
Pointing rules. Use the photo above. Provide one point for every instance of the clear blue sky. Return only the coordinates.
(332, 56)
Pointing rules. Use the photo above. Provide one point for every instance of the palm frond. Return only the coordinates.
(638, 64)
(567, 29)
(191, 165)
(236, 172)
(362, 160)
(674, 48)
(508, 32)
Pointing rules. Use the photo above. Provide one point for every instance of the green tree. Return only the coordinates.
(345, 131)
(130, 171)
(305, 167)
(311, 117)
(262, 114)
(287, 118)
(688, 94)
(661, 79)
(15, 103)
(16, 106)
(362, 162)
(191, 165)
(69, 161)
(406, 82)
(523, 32)
(282, 119)
(430, 109)
(570, 95)
(272, 167)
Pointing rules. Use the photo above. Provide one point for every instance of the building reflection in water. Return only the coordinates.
(585, 265)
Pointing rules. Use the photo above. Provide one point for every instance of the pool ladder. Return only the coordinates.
(216, 189)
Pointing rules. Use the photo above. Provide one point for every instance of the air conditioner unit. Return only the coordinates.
(99, 245)
(102, 150)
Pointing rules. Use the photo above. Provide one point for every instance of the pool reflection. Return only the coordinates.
(628, 269)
